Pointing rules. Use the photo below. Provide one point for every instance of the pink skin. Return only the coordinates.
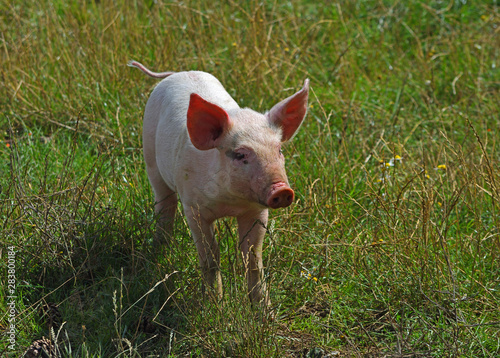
(219, 160)
(148, 72)
(280, 196)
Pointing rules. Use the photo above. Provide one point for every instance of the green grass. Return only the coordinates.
(371, 260)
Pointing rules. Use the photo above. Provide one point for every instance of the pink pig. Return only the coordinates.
(221, 160)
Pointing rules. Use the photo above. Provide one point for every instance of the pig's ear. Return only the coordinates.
(206, 122)
(289, 113)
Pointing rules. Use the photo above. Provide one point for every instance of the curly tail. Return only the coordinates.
(141, 67)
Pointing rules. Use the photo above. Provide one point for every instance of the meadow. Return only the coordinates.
(391, 248)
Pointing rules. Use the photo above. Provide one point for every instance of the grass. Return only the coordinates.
(392, 246)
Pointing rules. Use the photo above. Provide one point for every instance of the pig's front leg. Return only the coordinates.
(208, 249)
(251, 229)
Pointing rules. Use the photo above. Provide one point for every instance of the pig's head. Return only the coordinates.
(249, 145)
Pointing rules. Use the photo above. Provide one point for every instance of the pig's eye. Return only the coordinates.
(239, 156)
(281, 152)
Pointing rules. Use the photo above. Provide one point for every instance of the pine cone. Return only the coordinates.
(41, 348)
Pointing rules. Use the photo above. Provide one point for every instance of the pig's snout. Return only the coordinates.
(280, 196)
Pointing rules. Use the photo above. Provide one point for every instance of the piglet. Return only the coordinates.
(219, 160)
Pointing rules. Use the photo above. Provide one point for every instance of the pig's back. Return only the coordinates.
(169, 100)
(177, 88)
(166, 141)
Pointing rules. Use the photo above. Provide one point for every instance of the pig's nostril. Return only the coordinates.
(280, 198)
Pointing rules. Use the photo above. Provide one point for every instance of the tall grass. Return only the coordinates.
(392, 246)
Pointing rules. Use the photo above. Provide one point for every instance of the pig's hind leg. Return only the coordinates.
(165, 206)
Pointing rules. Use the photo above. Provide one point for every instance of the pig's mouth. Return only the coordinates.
(279, 196)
